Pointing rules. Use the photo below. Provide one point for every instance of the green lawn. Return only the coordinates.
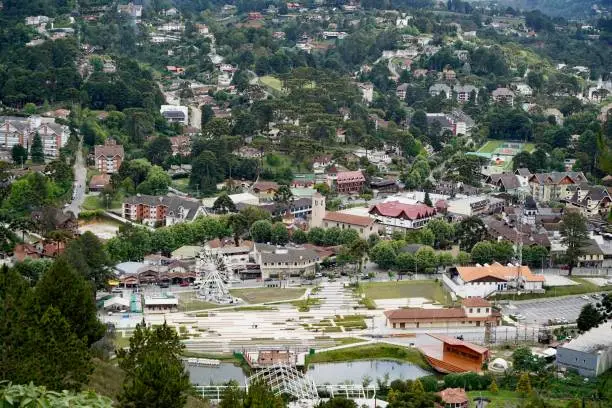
(181, 184)
(490, 146)
(263, 295)
(92, 203)
(378, 351)
(584, 287)
(529, 147)
(95, 203)
(251, 309)
(405, 289)
(189, 302)
(271, 82)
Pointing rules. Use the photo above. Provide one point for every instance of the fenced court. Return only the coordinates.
(501, 153)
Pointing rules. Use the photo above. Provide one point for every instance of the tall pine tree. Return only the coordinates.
(36, 150)
(65, 289)
(155, 375)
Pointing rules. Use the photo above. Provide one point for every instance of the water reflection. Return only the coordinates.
(332, 373)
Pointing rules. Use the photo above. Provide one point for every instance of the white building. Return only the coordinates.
(16, 130)
(367, 91)
(175, 114)
(394, 215)
(282, 262)
(523, 89)
(469, 205)
(172, 27)
(590, 353)
(485, 280)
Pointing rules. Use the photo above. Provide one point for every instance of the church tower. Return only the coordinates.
(318, 210)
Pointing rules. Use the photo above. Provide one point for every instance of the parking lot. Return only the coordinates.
(542, 310)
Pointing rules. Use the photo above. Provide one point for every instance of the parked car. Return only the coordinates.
(585, 297)
(184, 284)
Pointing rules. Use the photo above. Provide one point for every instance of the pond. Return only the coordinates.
(332, 373)
(356, 371)
(216, 375)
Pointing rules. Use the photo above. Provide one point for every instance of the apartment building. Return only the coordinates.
(108, 156)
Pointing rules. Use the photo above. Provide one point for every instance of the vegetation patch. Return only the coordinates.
(305, 304)
(406, 289)
(370, 352)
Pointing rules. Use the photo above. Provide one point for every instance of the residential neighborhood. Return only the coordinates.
(312, 204)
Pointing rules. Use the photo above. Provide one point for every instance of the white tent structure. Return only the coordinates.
(285, 379)
(117, 303)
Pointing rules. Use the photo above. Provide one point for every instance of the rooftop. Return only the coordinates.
(596, 339)
(418, 313)
(346, 176)
(475, 302)
(454, 396)
(396, 209)
(348, 219)
(497, 271)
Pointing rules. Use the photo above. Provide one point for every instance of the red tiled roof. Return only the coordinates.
(475, 302)
(395, 209)
(348, 219)
(454, 396)
(498, 271)
(347, 176)
(99, 180)
(109, 149)
(405, 314)
(265, 185)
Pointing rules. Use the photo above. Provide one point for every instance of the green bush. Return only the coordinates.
(91, 214)
(469, 381)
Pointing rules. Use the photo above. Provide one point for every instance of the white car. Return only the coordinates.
(585, 297)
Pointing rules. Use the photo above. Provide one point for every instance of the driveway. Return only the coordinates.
(80, 178)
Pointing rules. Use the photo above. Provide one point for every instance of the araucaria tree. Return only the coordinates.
(36, 150)
(574, 236)
(155, 375)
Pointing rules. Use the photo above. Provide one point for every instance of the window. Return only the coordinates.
(360, 229)
(478, 310)
(471, 310)
(487, 310)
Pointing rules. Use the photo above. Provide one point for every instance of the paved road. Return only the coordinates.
(80, 178)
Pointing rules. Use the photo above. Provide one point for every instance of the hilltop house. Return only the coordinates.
(349, 182)
(503, 95)
(437, 89)
(464, 92)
